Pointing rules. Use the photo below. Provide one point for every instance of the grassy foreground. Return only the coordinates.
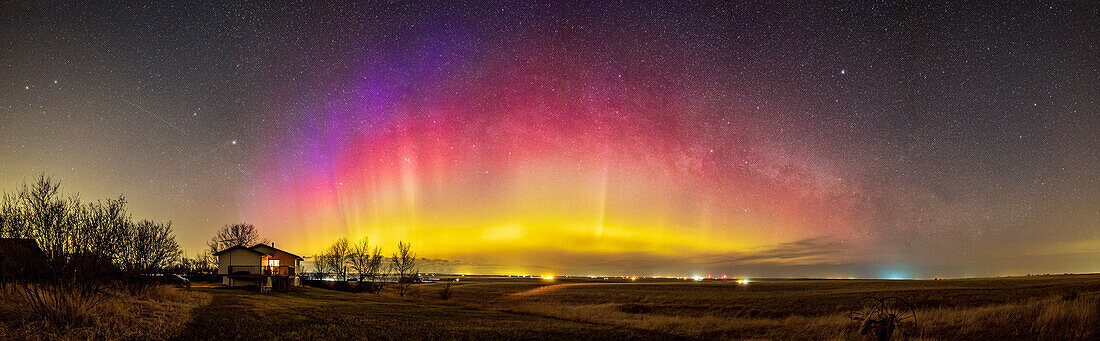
(315, 314)
(1017, 308)
(157, 314)
(1023, 308)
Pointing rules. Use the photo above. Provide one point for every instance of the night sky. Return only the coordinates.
(840, 140)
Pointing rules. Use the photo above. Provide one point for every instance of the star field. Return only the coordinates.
(843, 139)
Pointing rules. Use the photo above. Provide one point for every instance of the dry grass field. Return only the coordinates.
(317, 314)
(1043, 307)
(1024, 308)
(158, 314)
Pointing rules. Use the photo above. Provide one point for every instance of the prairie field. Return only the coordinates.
(1043, 307)
(307, 313)
(1064, 307)
(156, 314)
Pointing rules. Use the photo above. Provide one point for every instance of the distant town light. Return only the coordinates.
(743, 281)
(548, 277)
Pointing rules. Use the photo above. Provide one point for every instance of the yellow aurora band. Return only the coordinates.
(543, 163)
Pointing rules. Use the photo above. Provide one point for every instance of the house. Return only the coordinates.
(20, 260)
(261, 265)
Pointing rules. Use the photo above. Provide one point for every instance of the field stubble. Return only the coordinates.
(1043, 307)
(158, 313)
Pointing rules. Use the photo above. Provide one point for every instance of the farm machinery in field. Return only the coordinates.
(883, 317)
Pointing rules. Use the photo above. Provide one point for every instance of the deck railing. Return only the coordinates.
(260, 270)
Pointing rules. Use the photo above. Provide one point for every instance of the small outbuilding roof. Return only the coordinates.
(20, 244)
(19, 254)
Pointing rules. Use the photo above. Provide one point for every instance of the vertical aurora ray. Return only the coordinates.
(649, 137)
(536, 154)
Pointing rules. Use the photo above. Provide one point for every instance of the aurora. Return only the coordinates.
(681, 140)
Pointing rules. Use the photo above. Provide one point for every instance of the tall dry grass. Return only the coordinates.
(157, 313)
(1052, 318)
(708, 313)
(56, 304)
(796, 327)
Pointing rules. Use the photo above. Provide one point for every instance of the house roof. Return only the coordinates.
(14, 243)
(237, 247)
(283, 251)
(20, 253)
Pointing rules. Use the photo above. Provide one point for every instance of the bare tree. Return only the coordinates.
(104, 230)
(148, 248)
(84, 246)
(374, 269)
(205, 263)
(51, 218)
(152, 248)
(39, 212)
(13, 222)
(360, 258)
(234, 235)
(403, 264)
(208, 263)
(321, 265)
(338, 255)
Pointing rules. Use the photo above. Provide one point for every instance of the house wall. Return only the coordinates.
(285, 259)
(238, 257)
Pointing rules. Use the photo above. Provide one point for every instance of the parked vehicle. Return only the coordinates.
(173, 279)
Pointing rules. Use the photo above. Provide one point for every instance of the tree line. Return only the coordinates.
(87, 247)
(373, 270)
(369, 264)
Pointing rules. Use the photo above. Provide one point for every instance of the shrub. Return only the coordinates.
(447, 291)
(85, 248)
